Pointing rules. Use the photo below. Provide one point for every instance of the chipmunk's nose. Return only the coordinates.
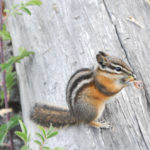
(132, 77)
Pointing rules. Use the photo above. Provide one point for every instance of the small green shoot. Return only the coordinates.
(10, 75)
(16, 59)
(4, 34)
(34, 2)
(17, 9)
(23, 134)
(4, 128)
(44, 135)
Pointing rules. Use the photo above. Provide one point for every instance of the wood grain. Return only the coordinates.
(65, 36)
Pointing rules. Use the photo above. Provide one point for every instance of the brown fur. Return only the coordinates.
(109, 83)
(46, 115)
(88, 103)
(87, 107)
(95, 124)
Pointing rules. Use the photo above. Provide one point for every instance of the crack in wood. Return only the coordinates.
(125, 52)
(147, 96)
(109, 15)
(117, 33)
(142, 136)
(122, 46)
(128, 123)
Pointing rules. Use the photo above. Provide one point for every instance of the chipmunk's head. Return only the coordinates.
(114, 68)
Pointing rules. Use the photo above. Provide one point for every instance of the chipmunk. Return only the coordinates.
(86, 94)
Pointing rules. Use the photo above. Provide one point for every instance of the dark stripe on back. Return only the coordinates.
(80, 90)
(80, 70)
(83, 77)
(76, 82)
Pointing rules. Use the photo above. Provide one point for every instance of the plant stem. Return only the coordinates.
(41, 147)
(4, 77)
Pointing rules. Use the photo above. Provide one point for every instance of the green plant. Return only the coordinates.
(23, 135)
(8, 68)
(17, 9)
(8, 76)
(43, 135)
(4, 34)
(9, 79)
(4, 128)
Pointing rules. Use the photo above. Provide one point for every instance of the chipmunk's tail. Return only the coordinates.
(45, 115)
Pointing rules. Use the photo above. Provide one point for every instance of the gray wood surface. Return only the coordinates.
(65, 36)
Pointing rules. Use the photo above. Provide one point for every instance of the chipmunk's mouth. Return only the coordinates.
(129, 79)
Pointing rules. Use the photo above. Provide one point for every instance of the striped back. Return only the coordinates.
(76, 82)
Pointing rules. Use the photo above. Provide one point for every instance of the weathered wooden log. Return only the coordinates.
(65, 36)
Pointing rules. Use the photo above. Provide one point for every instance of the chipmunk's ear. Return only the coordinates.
(103, 53)
(101, 58)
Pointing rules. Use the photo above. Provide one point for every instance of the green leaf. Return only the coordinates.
(10, 78)
(7, 64)
(33, 2)
(40, 136)
(5, 35)
(23, 127)
(25, 147)
(37, 142)
(52, 134)
(14, 121)
(2, 97)
(11, 82)
(22, 54)
(22, 135)
(4, 27)
(3, 133)
(26, 10)
(6, 127)
(46, 148)
(59, 148)
(7, 10)
(43, 131)
(51, 129)
(14, 6)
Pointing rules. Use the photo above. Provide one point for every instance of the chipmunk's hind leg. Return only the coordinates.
(84, 112)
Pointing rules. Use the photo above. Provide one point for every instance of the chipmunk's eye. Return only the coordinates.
(118, 69)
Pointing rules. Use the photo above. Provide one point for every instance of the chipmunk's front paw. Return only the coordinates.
(105, 125)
